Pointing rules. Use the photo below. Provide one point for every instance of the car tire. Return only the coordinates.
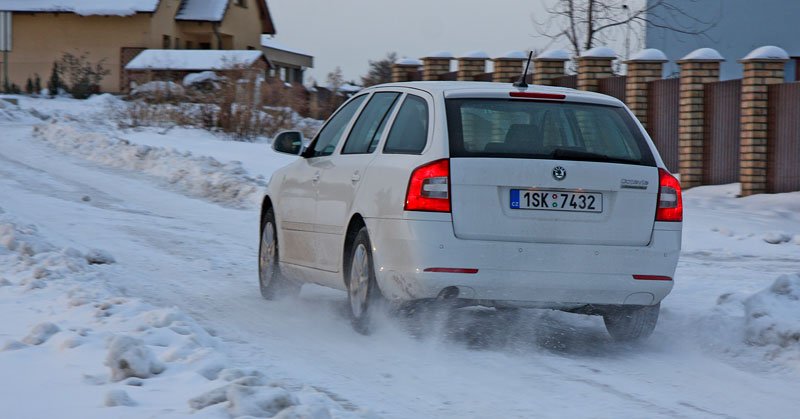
(364, 298)
(272, 283)
(631, 324)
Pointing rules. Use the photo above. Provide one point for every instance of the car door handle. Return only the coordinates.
(356, 177)
(315, 178)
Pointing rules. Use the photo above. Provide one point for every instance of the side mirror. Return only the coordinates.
(288, 142)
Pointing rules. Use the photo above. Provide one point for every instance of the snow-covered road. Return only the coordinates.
(176, 250)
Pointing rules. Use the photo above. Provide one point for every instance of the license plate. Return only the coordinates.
(556, 200)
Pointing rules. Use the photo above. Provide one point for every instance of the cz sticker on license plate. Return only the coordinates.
(556, 200)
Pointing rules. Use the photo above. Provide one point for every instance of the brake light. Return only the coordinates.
(670, 203)
(535, 95)
(429, 188)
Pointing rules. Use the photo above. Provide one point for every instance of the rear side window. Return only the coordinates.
(545, 130)
(370, 124)
(409, 132)
(331, 133)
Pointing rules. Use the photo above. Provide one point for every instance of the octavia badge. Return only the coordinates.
(559, 173)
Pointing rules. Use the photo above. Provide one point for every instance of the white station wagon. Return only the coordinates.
(481, 193)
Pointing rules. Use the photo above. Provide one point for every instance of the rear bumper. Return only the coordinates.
(524, 274)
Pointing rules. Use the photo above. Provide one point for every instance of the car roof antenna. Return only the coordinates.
(521, 83)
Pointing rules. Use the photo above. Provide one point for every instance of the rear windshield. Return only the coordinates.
(544, 130)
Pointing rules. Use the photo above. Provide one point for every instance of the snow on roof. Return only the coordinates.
(205, 10)
(349, 88)
(440, 54)
(476, 55)
(704, 54)
(649, 54)
(408, 61)
(768, 52)
(555, 55)
(81, 7)
(192, 59)
(599, 52)
(268, 42)
(515, 55)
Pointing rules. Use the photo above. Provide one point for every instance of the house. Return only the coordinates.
(737, 27)
(287, 64)
(116, 31)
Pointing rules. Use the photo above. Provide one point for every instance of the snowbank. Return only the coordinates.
(96, 354)
(204, 177)
(772, 317)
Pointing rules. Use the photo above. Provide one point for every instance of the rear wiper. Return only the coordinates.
(567, 153)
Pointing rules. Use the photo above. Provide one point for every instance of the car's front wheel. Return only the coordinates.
(363, 295)
(626, 324)
(271, 282)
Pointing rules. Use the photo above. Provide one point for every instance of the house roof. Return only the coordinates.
(193, 59)
(204, 10)
(81, 7)
(214, 11)
(271, 43)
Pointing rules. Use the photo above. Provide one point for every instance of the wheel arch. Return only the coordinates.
(266, 204)
(353, 227)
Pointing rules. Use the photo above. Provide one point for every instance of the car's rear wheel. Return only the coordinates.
(363, 296)
(631, 324)
(272, 284)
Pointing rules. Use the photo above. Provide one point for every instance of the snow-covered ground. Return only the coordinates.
(128, 289)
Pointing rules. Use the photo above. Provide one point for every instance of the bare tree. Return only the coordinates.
(380, 71)
(585, 23)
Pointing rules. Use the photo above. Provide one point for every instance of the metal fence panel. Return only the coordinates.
(613, 86)
(663, 118)
(722, 127)
(783, 144)
(566, 81)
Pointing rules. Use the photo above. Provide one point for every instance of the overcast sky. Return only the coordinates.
(349, 33)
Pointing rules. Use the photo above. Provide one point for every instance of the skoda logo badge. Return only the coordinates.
(559, 173)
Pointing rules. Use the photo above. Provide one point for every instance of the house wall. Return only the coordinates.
(42, 38)
(741, 26)
(243, 24)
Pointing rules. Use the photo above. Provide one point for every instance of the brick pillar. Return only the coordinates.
(593, 65)
(509, 67)
(435, 65)
(762, 67)
(549, 65)
(406, 70)
(697, 68)
(643, 67)
(471, 64)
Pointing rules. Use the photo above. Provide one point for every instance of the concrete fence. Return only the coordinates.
(706, 130)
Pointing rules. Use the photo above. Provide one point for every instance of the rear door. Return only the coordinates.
(549, 172)
(300, 190)
(342, 176)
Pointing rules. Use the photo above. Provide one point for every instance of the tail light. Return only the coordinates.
(429, 188)
(670, 203)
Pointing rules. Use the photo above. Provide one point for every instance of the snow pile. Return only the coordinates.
(205, 177)
(10, 112)
(166, 88)
(201, 77)
(772, 317)
(87, 347)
